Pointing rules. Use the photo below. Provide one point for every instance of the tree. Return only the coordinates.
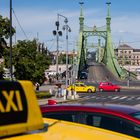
(62, 59)
(5, 30)
(29, 63)
(4, 34)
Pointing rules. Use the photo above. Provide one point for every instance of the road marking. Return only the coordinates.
(109, 96)
(115, 97)
(123, 97)
(98, 98)
(130, 98)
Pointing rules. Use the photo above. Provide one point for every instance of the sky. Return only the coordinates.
(36, 19)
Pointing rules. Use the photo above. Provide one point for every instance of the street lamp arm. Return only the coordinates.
(59, 15)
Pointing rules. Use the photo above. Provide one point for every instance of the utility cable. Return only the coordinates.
(20, 25)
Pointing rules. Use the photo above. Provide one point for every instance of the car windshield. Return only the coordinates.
(83, 85)
(136, 115)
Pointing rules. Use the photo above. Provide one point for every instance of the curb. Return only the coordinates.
(127, 87)
(69, 100)
(45, 101)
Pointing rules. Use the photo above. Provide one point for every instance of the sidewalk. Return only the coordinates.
(57, 99)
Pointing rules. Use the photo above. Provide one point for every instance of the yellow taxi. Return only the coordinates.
(21, 119)
(81, 87)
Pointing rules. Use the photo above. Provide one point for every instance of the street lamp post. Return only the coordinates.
(68, 29)
(11, 70)
(57, 33)
(74, 67)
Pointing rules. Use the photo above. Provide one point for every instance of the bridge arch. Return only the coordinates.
(109, 59)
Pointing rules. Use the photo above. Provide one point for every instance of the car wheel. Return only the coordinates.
(89, 91)
(101, 89)
(116, 90)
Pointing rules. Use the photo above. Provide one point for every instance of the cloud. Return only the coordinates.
(42, 22)
(126, 29)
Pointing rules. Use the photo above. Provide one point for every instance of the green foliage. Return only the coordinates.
(29, 63)
(1, 70)
(4, 34)
(6, 55)
(41, 95)
(62, 59)
(5, 28)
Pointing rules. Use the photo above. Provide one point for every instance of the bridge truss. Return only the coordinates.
(107, 57)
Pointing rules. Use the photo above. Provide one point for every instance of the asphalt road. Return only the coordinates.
(98, 73)
(126, 97)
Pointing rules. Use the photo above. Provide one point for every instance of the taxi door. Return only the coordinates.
(77, 87)
(82, 88)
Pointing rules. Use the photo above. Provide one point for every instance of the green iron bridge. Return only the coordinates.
(104, 55)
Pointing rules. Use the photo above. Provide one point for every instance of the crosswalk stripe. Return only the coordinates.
(130, 98)
(127, 98)
(138, 98)
(115, 97)
(123, 97)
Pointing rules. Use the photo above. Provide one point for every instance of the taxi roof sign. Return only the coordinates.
(19, 110)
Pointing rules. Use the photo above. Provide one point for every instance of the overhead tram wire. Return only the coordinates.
(126, 42)
(132, 41)
(20, 24)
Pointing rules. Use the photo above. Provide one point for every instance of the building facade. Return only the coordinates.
(127, 55)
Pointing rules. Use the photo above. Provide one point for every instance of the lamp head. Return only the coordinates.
(54, 32)
(69, 29)
(60, 33)
(57, 23)
(66, 20)
(63, 28)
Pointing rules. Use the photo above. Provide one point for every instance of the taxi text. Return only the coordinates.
(10, 98)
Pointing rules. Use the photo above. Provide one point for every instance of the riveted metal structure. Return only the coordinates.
(107, 56)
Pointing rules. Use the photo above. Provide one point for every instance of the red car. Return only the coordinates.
(118, 118)
(108, 86)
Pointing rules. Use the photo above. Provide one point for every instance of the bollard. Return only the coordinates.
(69, 94)
(75, 94)
(64, 94)
(128, 83)
(51, 92)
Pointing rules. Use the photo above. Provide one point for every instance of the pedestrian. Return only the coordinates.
(59, 92)
(37, 86)
(50, 80)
